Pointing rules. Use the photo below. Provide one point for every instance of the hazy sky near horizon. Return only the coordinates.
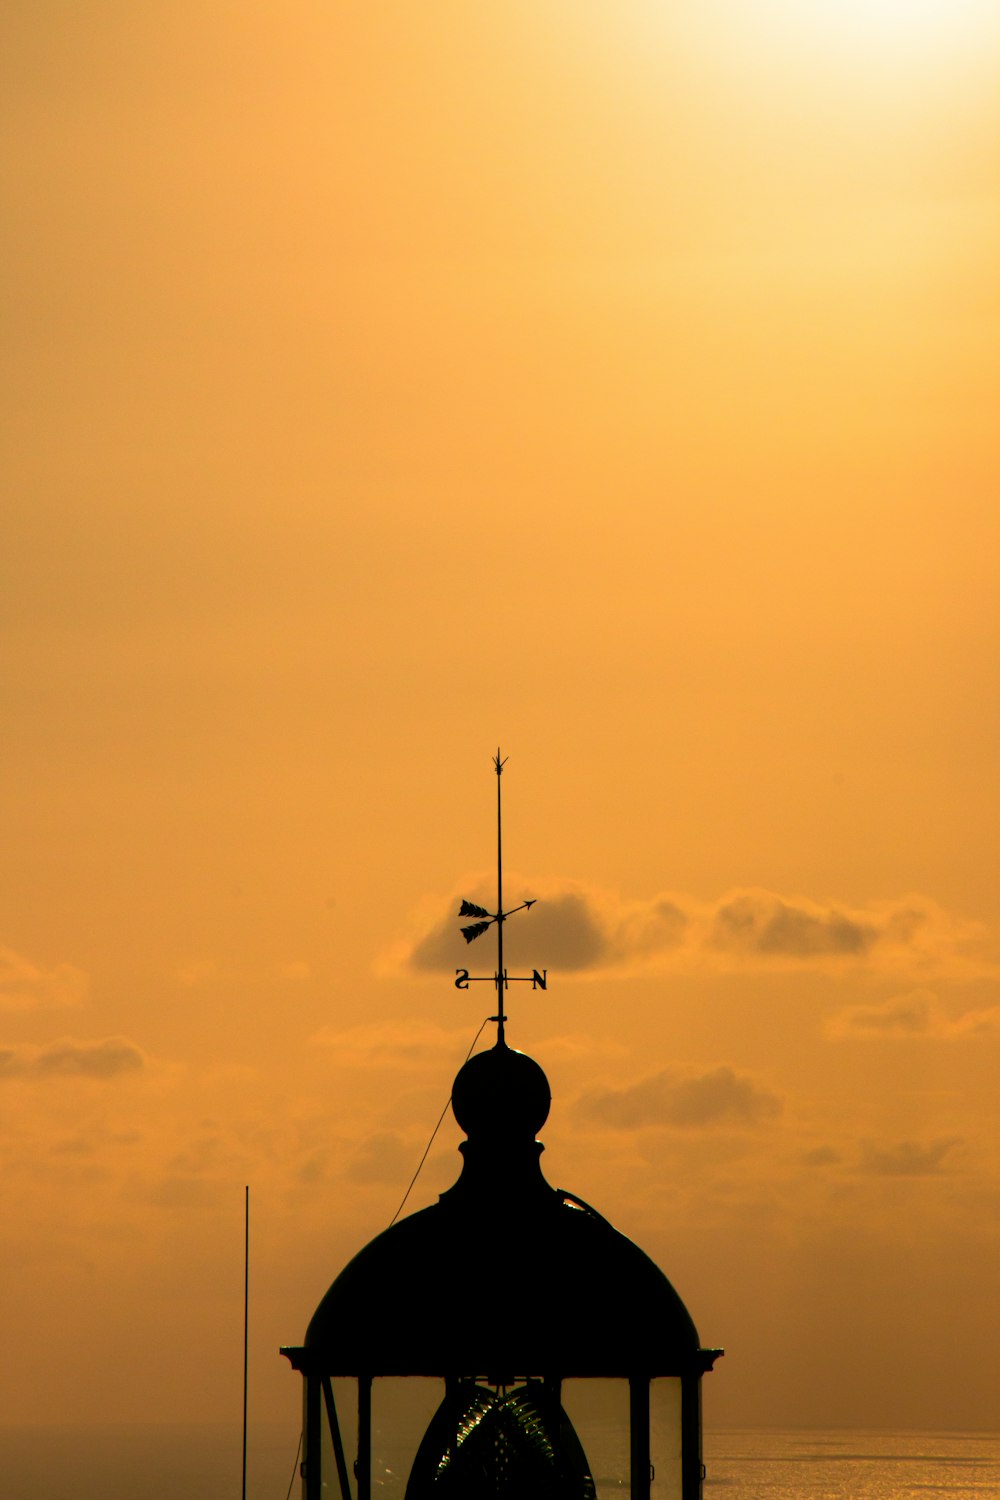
(615, 383)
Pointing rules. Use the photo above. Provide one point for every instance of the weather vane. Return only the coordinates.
(538, 978)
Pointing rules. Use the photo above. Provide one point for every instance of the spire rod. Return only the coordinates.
(501, 976)
(538, 979)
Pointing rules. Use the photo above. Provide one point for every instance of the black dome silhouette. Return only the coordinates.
(504, 1274)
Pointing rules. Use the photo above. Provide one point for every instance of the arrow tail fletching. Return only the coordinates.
(476, 930)
(469, 909)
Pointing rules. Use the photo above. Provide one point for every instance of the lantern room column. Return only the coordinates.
(364, 1465)
(312, 1457)
(692, 1468)
(639, 1436)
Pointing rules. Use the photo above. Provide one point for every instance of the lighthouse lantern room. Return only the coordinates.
(506, 1343)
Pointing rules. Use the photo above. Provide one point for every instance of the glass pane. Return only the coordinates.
(345, 1405)
(598, 1410)
(665, 1437)
(402, 1408)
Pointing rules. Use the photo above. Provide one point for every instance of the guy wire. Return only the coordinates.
(434, 1132)
(295, 1469)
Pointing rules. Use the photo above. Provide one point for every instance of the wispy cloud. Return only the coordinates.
(576, 928)
(917, 1013)
(899, 1158)
(108, 1058)
(908, 1158)
(400, 1044)
(759, 924)
(200, 973)
(383, 1158)
(822, 1156)
(683, 1100)
(176, 1191)
(28, 986)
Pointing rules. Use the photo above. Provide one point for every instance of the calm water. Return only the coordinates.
(843, 1465)
(204, 1463)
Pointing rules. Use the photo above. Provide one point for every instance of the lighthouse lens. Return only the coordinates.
(500, 1442)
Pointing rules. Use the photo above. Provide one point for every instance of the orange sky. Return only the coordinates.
(616, 383)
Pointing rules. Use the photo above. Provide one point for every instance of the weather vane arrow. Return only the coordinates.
(538, 979)
(468, 909)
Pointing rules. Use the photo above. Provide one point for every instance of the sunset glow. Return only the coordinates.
(617, 384)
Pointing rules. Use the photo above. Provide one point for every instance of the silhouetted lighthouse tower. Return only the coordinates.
(506, 1343)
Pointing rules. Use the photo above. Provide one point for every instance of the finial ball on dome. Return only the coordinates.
(501, 1093)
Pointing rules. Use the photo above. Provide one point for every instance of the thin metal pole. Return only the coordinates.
(246, 1324)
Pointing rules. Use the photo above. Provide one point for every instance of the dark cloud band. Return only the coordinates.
(684, 1101)
(578, 929)
(108, 1058)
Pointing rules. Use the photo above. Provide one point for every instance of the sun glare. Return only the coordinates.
(894, 26)
(903, 38)
(877, 14)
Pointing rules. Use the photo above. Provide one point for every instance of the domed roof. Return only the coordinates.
(504, 1275)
